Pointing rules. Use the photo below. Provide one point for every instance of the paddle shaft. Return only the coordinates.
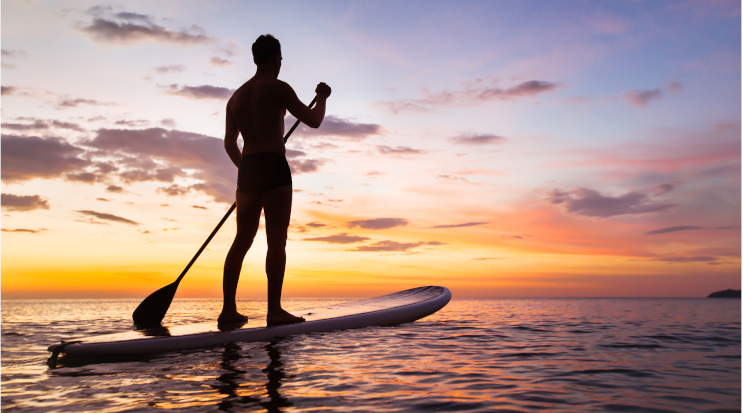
(232, 208)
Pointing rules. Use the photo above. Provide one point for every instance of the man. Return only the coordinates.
(256, 110)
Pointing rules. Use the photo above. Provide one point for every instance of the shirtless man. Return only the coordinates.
(256, 110)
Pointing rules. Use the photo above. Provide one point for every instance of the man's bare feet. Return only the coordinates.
(281, 316)
(231, 317)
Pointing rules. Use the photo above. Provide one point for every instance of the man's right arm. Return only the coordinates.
(230, 138)
(310, 117)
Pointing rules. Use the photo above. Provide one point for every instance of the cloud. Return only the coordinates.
(132, 122)
(400, 150)
(342, 238)
(686, 259)
(108, 217)
(642, 97)
(103, 199)
(335, 126)
(466, 224)
(32, 231)
(589, 202)
(452, 178)
(174, 190)
(674, 229)
(198, 207)
(299, 166)
(7, 90)
(393, 246)
(379, 223)
(12, 202)
(688, 228)
(115, 189)
(168, 122)
(675, 86)
(218, 61)
(160, 155)
(482, 139)
(170, 69)
(12, 53)
(126, 27)
(25, 158)
(472, 94)
(66, 103)
(315, 224)
(200, 92)
(39, 124)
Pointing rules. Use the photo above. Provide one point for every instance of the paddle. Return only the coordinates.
(152, 310)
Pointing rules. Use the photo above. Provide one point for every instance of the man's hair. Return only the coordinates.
(264, 48)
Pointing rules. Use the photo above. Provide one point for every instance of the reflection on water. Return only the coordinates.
(232, 376)
(678, 355)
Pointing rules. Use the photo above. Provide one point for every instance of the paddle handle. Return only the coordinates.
(286, 138)
(232, 208)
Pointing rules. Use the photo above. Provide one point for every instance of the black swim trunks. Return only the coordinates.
(261, 172)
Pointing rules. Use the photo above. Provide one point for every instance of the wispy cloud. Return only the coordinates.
(218, 61)
(473, 93)
(108, 217)
(466, 224)
(589, 202)
(170, 69)
(688, 228)
(335, 126)
(393, 246)
(25, 158)
(127, 27)
(40, 124)
(66, 103)
(378, 223)
(200, 92)
(674, 229)
(8, 90)
(641, 97)
(399, 150)
(31, 231)
(12, 202)
(686, 259)
(342, 238)
(475, 139)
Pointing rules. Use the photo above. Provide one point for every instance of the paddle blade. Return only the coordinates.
(152, 310)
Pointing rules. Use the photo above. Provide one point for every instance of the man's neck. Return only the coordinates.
(266, 70)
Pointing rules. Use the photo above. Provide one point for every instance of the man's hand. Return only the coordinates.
(322, 90)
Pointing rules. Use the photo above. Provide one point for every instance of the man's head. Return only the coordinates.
(267, 49)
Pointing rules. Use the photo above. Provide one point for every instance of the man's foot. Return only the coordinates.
(232, 318)
(281, 316)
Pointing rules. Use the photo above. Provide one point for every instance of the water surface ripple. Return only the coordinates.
(517, 355)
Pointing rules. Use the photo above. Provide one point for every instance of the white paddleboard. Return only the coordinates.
(392, 309)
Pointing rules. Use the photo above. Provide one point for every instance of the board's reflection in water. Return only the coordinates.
(231, 378)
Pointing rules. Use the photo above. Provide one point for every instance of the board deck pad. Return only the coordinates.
(392, 309)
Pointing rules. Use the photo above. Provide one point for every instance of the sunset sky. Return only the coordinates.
(498, 148)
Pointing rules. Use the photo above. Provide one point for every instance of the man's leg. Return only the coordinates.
(248, 218)
(277, 207)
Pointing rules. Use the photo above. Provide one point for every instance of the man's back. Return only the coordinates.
(259, 115)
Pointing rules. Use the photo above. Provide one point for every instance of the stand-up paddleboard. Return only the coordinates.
(392, 309)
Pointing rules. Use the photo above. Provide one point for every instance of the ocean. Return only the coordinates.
(510, 355)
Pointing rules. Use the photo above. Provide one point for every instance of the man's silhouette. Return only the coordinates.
(256, 110)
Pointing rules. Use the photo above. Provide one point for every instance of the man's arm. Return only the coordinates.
(230, 138)
(310, 117)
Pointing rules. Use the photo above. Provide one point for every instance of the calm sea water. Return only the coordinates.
(519, 355)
